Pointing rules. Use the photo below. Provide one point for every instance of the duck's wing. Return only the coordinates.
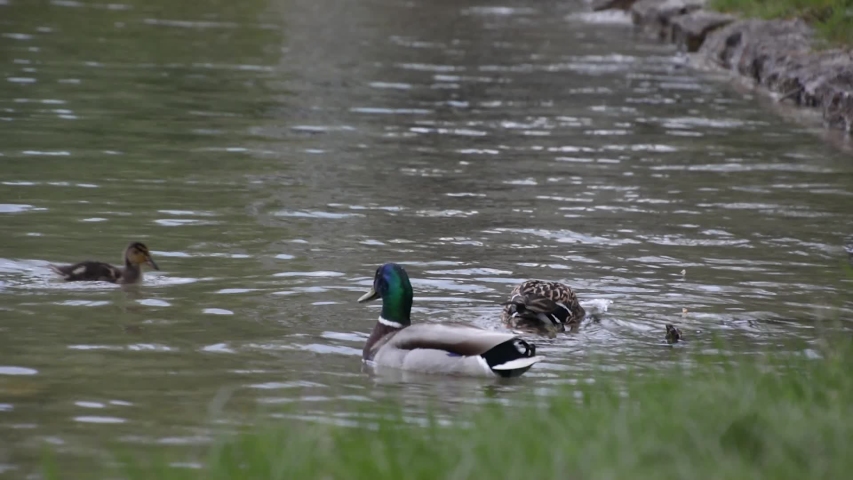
(548, 301)
(88, 271)
(534, 307)
(564, 296)
(457, 349)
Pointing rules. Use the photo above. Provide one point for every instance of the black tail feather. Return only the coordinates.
(507, 352)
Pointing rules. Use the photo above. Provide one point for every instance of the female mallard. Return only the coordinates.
(449, 349)
(542, 306)
(134, 256)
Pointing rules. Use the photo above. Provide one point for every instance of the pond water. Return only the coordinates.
(272, 153)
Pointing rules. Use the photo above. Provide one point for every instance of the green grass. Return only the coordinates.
(785, 417)
(833, 19)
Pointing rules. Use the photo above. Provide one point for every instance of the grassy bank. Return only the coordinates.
(778, 418)
(833, 19)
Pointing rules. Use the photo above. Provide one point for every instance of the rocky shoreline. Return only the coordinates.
(778, 55)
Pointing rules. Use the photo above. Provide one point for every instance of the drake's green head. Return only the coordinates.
(391, 283)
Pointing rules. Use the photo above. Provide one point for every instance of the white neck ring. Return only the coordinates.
(390, 323)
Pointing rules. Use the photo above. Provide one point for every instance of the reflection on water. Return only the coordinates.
(273, 152)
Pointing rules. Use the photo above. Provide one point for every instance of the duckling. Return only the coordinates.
(436, 348)
(134, 256)
(673, 334)
(542, 306)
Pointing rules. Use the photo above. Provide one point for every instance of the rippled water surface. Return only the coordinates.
(273, 152)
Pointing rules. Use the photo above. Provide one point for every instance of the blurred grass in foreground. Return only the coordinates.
(778, 417)
(833, 19)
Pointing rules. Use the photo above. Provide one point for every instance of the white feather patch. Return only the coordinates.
(79, 270)
(518, 363)
(483, 363)
(389, 323)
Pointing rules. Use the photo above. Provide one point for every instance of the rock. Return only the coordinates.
(657, 15)
(778, 55)
(645, 11)
(690, 30)
(746, 46)
(837, 100)
(824, 81)
(611, 4)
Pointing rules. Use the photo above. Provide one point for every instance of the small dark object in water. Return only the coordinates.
(673, 334)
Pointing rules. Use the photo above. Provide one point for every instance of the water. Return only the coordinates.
(273, 153)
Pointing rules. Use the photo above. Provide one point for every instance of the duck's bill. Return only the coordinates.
(371, 295)
(150, 261)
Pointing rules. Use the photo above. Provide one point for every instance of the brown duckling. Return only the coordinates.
(135, 255)
(673, 334)
(542, 306)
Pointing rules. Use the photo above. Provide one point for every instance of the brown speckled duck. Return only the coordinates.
(436, 348)
(135, 255)
(542, 306)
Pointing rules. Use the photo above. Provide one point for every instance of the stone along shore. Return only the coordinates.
(778, 55)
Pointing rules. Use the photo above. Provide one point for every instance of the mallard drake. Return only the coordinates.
(542, 306)
(673, 334)
(134, 256)
(437, 348)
